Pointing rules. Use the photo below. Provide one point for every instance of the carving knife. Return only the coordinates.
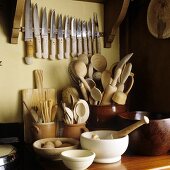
(84, 29)
(67, 37)
(60, 39)
(97, 35)
(44, 34)
(53, 36)
(37, 32)
(73, 37)
(94, 35)
(28, 33)
(89, 34)
(79, 37)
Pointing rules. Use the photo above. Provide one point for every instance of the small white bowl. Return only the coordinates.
(106, 150)
(53, 153)
(77, 159)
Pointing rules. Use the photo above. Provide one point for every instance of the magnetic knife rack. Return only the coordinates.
(114, 13)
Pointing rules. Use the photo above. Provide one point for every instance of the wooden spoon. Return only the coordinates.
(106, 78)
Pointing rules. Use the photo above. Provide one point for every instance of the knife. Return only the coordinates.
(79, 37)
(73, 37)
(67, 37)
(89, 34)
(98, 35)
(60, 39)
(53, 36)
(94, 35)
(44, 34)
(28, 33)
(84, 25)
(37, 32)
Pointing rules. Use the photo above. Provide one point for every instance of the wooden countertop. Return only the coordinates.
(128, 162)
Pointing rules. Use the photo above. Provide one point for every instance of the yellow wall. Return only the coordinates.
(15, 75)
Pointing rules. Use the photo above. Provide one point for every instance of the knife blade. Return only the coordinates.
(89, 35)
(44, 34)
(98, 35)
(37, 32)
(67, 37)
(53, 36)
(28, 33)
(60, 39)
(79, 37)
(94, 35)
(84, 29)
(73, 37)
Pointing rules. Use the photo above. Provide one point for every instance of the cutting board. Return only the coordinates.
(32, 97)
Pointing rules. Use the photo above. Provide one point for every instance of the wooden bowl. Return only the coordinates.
(149, 139)
(102, 116)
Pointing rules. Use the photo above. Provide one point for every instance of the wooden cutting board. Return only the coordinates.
(32, 97)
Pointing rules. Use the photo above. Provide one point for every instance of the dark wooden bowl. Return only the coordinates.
(150, 139)
(101, 117)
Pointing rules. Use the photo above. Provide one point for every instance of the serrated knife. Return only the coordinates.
(60, 39)
(89, 35)
(44, 34)
(97, 35)
(37, 32)
(53, 36)
(84, 34)
(67, 37)
(28, 33)
(73, 37)
(79, 37)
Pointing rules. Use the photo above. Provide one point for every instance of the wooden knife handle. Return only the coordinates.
(45, 47)
(80, 49)
(98, 45)
(94, 46)
(29, 52)
(85, 45)
(90, 46)
(67, 53)
(53, 49)
(61, 49)
(74, 47)
(38, 47)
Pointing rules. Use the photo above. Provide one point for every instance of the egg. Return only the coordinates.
(48, 144)
(57, 143)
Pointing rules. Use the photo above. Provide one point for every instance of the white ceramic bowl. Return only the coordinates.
(53, 153)
(77, 159)
(106, 150)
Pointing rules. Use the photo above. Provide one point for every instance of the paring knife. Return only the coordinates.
(89, 34)
(37, 32)
(44, 34)
(53, 36)
(73, 37)
(28, 33)
(79, 37)
(60, 39)
(97, 35)
(94, 35)
(84, 29)
(67, 37)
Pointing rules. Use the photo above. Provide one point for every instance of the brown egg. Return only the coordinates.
(48, 144)
(57, 143)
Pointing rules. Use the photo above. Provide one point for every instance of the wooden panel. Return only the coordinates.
(151, 61)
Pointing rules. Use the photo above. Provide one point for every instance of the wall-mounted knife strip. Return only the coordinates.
(75, 38)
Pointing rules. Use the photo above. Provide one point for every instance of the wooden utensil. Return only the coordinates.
(106, 78)
(110, 89)
(84, 58)
(83, 91)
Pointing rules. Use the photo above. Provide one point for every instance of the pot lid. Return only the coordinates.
(158, 18)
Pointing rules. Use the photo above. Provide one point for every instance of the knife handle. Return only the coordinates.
(74, 47)
(67, 53)
(85, 45)
(61, 48)
(29, 52)
(90, 46)
(45, 47)
(38, 47)
(80, 50)
(53, 49)
(98, 45)
(94, 46)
